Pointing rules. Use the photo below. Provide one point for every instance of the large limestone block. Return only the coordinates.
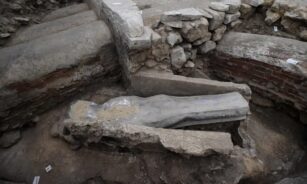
(32, 60)
(163, 111)
(267, 49)
(190, 143)
(51, 27)
(154, 83)
(67, 11)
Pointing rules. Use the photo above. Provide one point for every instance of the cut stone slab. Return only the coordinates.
(189, 143)
(55, 26)
(163, 111)
(268, 49)
(124, 13)
(254, 3)
(217, 20)
(67, 11)
(218, 6)
(31, 60)
(182, 15)
(154, 83)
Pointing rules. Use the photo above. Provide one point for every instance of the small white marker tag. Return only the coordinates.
(292, 61)
(275, 28)
(117, 3)
(36, 180)
(48, 168)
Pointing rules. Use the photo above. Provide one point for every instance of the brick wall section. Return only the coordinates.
(268, 80)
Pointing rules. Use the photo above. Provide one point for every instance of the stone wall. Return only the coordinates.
(269, 80)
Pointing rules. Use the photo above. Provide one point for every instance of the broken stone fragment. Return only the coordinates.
(155, 38)
(207, 47)
(194, 30)
(22, 20)
(174, 24)
(190, 143)
(5, 35)
(234, 5)
(303, 35)
(187, 46)
(206, 14)
(271, 17)
(246, 11)
(163, 111)
(281, 6)
(254, 3)
(206, 37)
(178, 57)
(188, 14)
(235, 23)
(297, 14)
(291, 26)
(9, 139)
(150, 63)
(219, 33)
(218, 6)
(231, 17)
(217, 20)
(174, 38)
(189, 64)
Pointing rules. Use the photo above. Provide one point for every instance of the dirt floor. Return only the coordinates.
(256, 25)
(279, 141)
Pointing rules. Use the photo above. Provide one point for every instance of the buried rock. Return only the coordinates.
(163, 111)
(9, 139)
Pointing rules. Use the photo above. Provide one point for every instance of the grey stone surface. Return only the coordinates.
(67, 11)
(174, 38)
(31, 60)
(302, 179)
(217, 20)
(219, 6)
(303, 35)
(299, 13)
(219, 33)
(194, 30)
(8, 139)
(272, 17)
(231, 17)
(207, 47)
(154, 83)
(163, 111)
(51, 27)
(234, 5)
(236, 23)
(141, 42)
(247, 11)
(268, 49)
(254, 3)
(190, 143)
(181, 15)
(178, 57)
(127, 14)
